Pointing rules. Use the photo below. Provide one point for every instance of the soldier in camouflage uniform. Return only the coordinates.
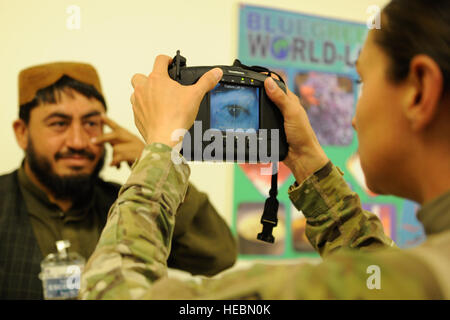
(397, 114)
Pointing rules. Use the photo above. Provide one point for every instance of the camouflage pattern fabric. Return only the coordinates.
(130, 259)
(134, 246)
(334, 214)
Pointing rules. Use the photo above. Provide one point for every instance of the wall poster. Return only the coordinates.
(315, 56)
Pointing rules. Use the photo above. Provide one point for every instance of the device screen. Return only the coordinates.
(234, 107)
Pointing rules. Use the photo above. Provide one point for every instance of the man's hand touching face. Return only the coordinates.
(126, 146)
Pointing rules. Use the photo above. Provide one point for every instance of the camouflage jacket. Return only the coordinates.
(130, 259)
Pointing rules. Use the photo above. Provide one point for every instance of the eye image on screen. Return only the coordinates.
(234, 107)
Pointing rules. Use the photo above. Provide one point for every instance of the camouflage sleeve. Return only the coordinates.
(130, 259)
(334, 215)
(348, 275)
(134, 246)
(202, 241)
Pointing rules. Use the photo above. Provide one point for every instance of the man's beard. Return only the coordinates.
(76, 187)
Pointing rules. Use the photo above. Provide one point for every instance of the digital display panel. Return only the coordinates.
(234, 107)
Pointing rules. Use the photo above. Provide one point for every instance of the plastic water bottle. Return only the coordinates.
(61, 273)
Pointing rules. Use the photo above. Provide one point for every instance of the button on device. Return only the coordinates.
(254, 82)
(235, 79)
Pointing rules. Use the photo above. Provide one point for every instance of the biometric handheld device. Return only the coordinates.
(236, 122)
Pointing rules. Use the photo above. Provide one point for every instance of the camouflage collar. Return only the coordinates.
(435, 215)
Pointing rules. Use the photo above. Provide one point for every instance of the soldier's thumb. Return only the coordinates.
(276, 94)
(208, 81)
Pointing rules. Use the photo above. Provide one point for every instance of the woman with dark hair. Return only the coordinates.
(402, 121)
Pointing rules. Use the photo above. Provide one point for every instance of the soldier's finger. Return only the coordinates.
(138, 78)
(161, 64)
(208, 81)
(276, 94)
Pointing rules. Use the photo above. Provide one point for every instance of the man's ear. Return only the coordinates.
(427, 82)
(21, 131)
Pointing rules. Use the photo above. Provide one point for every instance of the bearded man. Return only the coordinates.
(57, 194)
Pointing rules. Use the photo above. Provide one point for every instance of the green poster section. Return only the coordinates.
(317, 68)
(247, 193)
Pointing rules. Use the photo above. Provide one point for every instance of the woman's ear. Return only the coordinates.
(21, 132)
(427, 79)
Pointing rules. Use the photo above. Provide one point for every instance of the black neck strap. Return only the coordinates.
(269, 218)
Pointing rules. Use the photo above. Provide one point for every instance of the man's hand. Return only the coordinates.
(126, 146)
(305, 155)
(162, 105)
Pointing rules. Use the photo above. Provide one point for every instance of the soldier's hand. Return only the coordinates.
(305, 155)
(162, 105)
(126, 146)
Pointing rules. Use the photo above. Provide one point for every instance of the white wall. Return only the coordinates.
(121, 38)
